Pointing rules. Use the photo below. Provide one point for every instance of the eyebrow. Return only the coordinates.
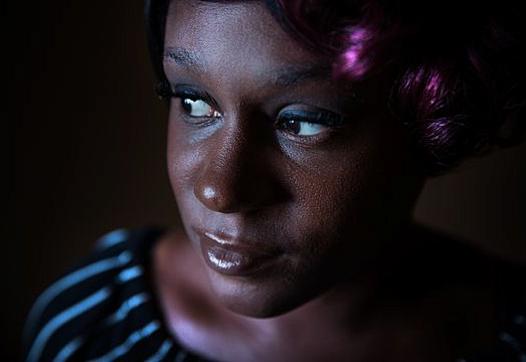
(293, 75)
(183, 57)
(285, 77)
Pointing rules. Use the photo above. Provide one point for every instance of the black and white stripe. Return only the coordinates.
(104, 310)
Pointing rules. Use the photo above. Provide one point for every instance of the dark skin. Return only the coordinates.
(296, 201)
(435, 324)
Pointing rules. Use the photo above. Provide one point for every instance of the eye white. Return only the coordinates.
(309, 129)
(197, 108)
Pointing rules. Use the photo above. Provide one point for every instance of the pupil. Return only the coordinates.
(187, 105)
(293, 126)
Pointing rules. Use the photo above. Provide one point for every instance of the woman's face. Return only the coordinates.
(286, 183)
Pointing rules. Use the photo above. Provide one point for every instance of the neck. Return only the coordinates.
(417, 290)
(407, 295)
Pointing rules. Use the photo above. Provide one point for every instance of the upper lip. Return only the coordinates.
(236, 244)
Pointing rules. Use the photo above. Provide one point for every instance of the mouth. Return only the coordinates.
(233, 256)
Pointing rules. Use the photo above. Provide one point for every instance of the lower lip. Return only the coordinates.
(233, 262)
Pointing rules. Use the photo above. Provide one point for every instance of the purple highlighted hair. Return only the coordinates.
(455, 70)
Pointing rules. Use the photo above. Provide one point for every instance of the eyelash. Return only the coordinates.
(165, 92)
(324, 118)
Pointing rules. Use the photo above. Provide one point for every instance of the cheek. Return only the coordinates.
(327, 210)
(183, 162)
(348, 205)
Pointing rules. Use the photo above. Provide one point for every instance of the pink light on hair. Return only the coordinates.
(352, 63)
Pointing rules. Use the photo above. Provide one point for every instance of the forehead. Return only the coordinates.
(239, 34)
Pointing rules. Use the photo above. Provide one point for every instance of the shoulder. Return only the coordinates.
(103, 307)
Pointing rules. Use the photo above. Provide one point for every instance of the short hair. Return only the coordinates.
(455, 68)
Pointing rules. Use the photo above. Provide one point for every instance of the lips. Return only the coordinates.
(235, 257)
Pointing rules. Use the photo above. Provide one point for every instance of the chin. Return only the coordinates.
(260, 298)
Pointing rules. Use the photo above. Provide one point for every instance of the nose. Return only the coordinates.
(237, 175)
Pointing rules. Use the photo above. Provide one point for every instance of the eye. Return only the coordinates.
(306, 123)
(198, 108)
(301, 128)
(194, 103)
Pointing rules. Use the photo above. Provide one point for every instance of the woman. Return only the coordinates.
(300, 135)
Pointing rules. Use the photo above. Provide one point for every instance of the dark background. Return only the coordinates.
(85, 138)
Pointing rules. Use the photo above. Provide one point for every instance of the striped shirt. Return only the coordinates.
(105, 310)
